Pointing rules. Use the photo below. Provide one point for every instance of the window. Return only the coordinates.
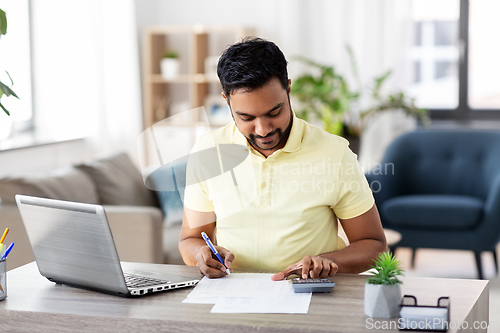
(456, 73)
(15, 59)
(484, 55)
(435, 53)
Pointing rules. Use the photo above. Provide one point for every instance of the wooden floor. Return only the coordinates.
(456, 264)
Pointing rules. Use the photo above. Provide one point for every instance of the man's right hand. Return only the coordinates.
(210, 266)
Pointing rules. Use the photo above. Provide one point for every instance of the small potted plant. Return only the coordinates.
(170, 65)
(383, 289)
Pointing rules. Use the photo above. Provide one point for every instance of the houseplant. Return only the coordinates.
(326, 97)
(5, 90)
(170, 65)
(383, 288)
(345, 111)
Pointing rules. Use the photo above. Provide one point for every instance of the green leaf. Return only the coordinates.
(3, 23)
(3, 108)
(7, 91)
(11, 82)
(379, 81)
(387, 269)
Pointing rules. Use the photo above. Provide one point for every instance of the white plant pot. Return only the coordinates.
(382, 301)
(169, 68)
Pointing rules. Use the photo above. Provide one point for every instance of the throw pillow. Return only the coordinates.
(119, 182)
(68, 184)
(169, 182)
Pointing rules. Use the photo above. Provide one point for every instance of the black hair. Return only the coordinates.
(250, 64)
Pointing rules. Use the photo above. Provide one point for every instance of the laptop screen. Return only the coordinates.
(72, 243)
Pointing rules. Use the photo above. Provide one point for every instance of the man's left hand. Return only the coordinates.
(313, 267)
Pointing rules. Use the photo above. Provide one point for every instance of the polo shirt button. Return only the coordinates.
(264, 184)
(266, 165)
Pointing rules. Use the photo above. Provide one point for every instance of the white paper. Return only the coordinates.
(416, 313)
(201, 300)
(238, 285)
(249, 293)
(295, 303)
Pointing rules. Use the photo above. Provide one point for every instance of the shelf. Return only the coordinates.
(198, 47)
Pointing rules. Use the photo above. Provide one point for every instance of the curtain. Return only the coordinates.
(86, 72)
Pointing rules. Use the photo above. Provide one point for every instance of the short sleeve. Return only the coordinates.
(355, 195)
(196, 198)
(196, 194)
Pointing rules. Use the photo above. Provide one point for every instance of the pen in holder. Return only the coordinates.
(424, 317)
(3, 279)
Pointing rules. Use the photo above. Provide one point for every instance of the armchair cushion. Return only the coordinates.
(433, 211)
(119, 182)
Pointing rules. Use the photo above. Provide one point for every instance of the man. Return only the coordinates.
(304, 179)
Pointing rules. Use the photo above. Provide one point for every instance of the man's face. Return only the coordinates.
(263, 116)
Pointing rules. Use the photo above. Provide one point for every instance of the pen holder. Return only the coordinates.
(3, 279)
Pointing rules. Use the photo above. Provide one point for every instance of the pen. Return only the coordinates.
(212, 247)
(2, 239)
(4, 234)
(7, 251)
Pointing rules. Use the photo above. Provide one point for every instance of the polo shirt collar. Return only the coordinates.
(294, 139)
(296, 134)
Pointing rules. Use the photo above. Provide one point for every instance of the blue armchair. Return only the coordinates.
(441, 189)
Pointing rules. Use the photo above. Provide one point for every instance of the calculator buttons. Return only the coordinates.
(312, 285)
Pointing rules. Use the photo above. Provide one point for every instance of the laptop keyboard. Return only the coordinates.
(134, 281)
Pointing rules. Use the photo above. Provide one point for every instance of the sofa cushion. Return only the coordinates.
(68, 184)
(119, 182)
(169, 182)
(433, 211)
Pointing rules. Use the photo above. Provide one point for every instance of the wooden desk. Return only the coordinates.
(34, 304)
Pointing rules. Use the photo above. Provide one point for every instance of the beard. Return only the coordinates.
(281, 135)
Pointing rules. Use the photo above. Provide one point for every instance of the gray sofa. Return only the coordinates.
(135, 216)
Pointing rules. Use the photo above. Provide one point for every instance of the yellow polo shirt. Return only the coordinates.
(273, 211)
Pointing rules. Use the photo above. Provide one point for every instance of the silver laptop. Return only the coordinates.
(73, 245)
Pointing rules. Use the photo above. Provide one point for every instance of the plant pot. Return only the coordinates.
(169, 68)
(382, 301)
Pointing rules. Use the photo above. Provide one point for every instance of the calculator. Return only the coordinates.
(312, 285)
